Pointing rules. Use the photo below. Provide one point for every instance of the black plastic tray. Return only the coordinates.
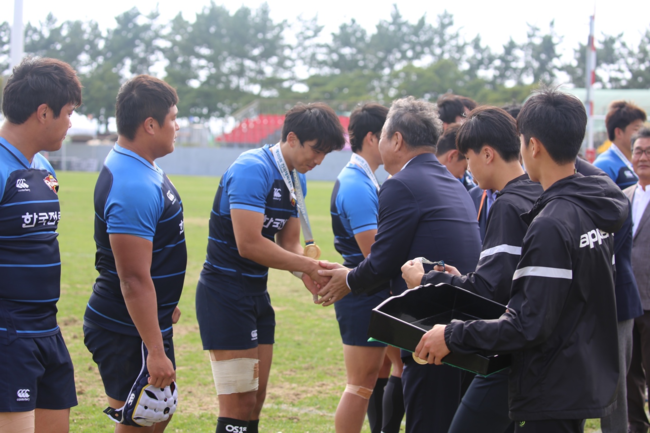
(402, 320)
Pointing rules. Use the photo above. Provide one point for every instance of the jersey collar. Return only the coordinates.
(15, 152)
(119, 149)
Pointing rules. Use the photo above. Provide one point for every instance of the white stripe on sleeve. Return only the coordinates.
(541, 271)
(509, 249)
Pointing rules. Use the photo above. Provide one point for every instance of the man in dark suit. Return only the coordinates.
(423, 212)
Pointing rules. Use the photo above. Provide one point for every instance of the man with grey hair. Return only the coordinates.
(423, 212)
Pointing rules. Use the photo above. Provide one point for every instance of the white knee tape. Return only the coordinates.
(17, 422)
(361, 391)
(235, 376)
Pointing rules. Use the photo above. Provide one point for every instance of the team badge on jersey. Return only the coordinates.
(52, 183)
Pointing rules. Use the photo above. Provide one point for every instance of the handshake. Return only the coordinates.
(326, 282)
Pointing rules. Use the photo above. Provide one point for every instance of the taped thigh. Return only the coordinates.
(235, 376)
(361, 391)
(17, 422)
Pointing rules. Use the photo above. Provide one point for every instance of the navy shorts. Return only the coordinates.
(353, 314)
(118, 358)
(36, 373)
(232, 320)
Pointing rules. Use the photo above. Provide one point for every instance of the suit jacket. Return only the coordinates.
(423, 212)
(641, 252)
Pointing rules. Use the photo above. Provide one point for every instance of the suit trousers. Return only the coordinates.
(432, 394)
(637, 380)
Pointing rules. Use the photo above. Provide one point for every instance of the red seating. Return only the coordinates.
(258, 130)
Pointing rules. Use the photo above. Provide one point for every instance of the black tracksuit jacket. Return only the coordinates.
(501, 246)
(560, 323)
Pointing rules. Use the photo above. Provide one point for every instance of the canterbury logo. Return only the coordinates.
(20, 183)
(23, 394)
(131, 398)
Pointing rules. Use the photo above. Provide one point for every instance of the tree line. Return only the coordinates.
(225, 59)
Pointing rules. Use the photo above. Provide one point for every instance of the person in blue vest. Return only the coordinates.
(623, 120)
(141, 253)
(254, 226)
(37, 386)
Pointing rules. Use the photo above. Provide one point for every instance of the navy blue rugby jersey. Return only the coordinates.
(253, 182)
(612, 163)
(353, 207)
(136, 198)
(30, 264)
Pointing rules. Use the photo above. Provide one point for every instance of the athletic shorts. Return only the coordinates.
(353, 314)
(231, 320)
(36, 373)
(118, 358)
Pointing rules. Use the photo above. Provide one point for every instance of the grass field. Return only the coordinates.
(307, 377)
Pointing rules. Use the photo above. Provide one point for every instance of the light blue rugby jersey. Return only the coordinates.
(354, 207)
(253, 182)
(30, 264)
(136, 198)
(616, 169)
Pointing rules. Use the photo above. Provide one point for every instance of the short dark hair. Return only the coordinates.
(447, 141)
(416, 120)
(641, 133)
(513, 109)
(557, 119)
(490, 126)
(620, 115)
(37, 81)
(449, 107)
(468, 103)
(315, 121)
(365, 118)
(139, 98)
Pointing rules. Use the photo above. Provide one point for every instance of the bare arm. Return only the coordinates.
(365, 241)
(133, 261)
(247, 226)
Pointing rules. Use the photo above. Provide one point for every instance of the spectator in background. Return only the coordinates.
(450, 157)
(468, 103)
(451, 110)
(623, 120)
(640, 196)
(513, 109)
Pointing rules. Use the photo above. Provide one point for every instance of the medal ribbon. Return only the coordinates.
(296, 194)
(363, 165)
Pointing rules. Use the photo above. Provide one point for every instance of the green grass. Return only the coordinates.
(307, 376)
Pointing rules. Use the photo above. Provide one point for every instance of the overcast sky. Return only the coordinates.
(494, 20)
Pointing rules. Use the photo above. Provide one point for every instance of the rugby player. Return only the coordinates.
(490, 140)
(256, 202)
(141, 253)
(354, 208)
(561, 317)
(36, 372)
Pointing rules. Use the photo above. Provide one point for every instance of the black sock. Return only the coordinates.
(393, 405)
(253, 426)
(231, 425)
(375, 404)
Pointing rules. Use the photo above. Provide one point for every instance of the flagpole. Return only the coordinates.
(17, 50)
(590, 79)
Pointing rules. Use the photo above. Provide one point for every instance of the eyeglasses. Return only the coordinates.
(638, 152)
